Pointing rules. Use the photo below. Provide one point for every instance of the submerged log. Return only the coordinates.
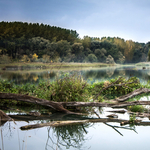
(112, 116)
(68, 122)
(77, 122)
(118, 111)
(135, 122)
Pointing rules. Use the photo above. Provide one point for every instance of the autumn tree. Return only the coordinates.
(129, 50)
(34, 57)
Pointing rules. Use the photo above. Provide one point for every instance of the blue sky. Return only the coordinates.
(128, 19)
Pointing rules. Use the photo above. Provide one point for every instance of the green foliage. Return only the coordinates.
(100, 54)
(4, 59)
(92, 58)
(69, 88)
(72, 88)
(110, 60)
(137, 108)
(149, 55)
(119, 86)
(46, 58)
(18, 39)
(121, 59)
(132, 119)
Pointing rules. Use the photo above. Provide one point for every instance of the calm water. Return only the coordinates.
(90, 74)
(92, 136)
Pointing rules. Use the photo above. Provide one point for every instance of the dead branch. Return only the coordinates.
(75, 122)
(70, 122)
(59, 106)
(25, 98)
(4, 117)
(132, 94)
(135, 122)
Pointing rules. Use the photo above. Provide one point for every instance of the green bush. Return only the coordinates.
(137, 108)
(67, 89)
(4, 59)
(115, 90)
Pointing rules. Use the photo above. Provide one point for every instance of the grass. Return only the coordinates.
(137, 108)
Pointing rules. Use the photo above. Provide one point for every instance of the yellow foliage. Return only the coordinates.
(34, 56)
(35, 78)
(129, 50)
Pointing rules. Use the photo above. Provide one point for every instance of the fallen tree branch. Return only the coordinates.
(98, 104)
(75, 122)
(25, 98)
(59, 106)
(4, 117)
(132, 94)
(69, 122)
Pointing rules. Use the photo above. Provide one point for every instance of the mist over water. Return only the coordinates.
(89, 74)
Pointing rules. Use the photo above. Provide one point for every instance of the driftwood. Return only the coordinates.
(25, 98)
(135, 122)
(4, 118)
(75, 122)
(132, 94)
(69, 122)
(60, 106)
(118, 111)
(99, 104)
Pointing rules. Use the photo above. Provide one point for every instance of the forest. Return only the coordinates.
(34, 42)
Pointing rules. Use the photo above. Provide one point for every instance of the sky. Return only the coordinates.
(127, 19)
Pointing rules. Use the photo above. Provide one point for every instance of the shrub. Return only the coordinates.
(69, 88)
(4, 59)
(128, 85)
(137, 108)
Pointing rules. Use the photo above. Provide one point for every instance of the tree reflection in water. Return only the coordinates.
(67, 136)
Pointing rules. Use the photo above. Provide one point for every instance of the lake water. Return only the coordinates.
(89, 74)
(90, 136)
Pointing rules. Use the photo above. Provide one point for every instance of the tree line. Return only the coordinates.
(44, 43)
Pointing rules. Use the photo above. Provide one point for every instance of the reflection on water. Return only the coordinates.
(91, 75)
(93, 136)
